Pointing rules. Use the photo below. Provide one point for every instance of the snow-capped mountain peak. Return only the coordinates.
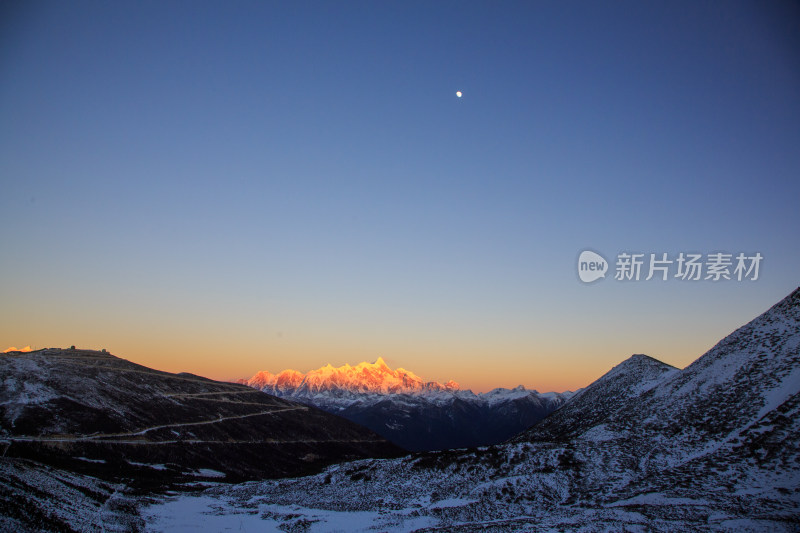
(365, 377)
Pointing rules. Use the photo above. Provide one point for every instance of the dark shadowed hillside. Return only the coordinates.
(92, 412)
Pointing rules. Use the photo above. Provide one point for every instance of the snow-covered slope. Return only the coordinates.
(683, 414)
(715, 446)
(415, 414)
(35, 498)
(592, 406)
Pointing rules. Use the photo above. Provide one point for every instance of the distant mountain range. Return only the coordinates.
(415, 414)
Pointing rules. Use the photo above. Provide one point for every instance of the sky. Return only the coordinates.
(228, 187)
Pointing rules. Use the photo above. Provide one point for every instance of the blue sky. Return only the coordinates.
(227, 187)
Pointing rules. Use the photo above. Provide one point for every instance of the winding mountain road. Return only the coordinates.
(112, 437)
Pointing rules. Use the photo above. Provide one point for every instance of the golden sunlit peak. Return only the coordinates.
(364, 377)
(15, 349)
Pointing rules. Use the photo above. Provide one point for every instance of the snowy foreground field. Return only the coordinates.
(467, 495)
(189, 513)
(221, 509)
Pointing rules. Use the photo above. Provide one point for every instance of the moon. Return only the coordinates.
(458, 93)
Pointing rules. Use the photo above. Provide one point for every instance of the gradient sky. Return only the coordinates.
(228, 187)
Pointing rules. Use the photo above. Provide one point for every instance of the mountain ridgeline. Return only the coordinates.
(415, 414)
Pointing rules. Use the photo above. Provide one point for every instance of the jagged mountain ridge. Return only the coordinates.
(365, 377)
(712, 447)
(416, 415)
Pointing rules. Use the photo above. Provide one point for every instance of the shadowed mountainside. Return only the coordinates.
(91, 412)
